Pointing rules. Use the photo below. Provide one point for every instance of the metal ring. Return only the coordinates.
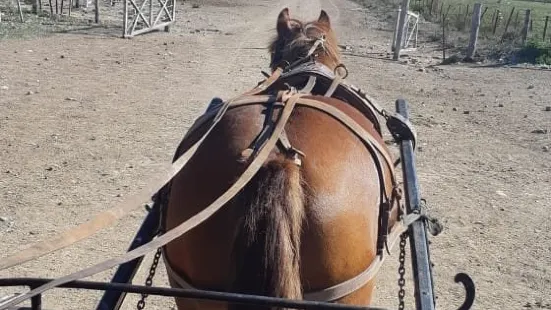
(345, 70)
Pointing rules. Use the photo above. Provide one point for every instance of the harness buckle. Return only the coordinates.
(383, 229)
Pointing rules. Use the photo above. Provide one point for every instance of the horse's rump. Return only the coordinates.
(264, 214)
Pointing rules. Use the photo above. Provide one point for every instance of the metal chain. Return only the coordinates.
(149, 279)
(402, 271)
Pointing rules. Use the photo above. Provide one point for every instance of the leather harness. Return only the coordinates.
(314, 77)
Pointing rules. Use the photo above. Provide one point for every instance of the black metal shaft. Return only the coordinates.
(112, 300)
(187, 293)
(36, 302)
(420, 258)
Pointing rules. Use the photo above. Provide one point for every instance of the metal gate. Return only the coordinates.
(411, 30)
(141, 16)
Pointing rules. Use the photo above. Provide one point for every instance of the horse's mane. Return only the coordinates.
(302, 37)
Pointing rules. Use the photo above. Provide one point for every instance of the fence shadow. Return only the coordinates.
(508, 66)
(95, 30)
(374, 55)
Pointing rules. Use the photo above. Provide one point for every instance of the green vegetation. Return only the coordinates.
(33, 25)
(495, 16)
(535, 51)
(45, 23)
(544, 1)
(501, 27)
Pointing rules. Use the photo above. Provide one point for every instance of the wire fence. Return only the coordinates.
(498, 22)
(32, 18)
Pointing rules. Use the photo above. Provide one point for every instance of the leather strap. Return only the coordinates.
(336, 82)
(109, 216)
(328, 294)
(326, 76)
(289, 151)
(266, 83)
(397, 125)
(309, 85)
(353, 126)
(347, 287)
(179, 230)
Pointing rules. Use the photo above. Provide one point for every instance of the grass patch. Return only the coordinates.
(33, 25)
(500, 31)
(46, 24)
(535, 52)
(496, 14)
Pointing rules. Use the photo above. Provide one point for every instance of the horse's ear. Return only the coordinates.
(324, 18)
(283, 22)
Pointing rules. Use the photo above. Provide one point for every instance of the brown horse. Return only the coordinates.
(310, 218)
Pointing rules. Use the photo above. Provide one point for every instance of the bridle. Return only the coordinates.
(312, 53)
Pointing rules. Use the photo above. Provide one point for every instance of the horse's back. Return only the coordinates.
(341, 189)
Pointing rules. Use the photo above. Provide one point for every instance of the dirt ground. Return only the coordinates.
(86, 120)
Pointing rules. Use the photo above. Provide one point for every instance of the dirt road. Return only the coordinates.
(87, 120)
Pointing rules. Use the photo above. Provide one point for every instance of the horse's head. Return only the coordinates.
(296, 39)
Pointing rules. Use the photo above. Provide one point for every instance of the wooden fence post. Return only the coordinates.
(498, 14)
(125, 21)
(20, 11)
(465, 18)
(527, 18)
(507, 24)
(444, 24)
(36, 8)
(400, 35)
(475, 25)
(483, 13)
(51, 9)
(96, 7)
(150, 13)
(395, 34)
(545, 27)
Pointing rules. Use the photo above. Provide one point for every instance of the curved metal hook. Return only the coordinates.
(470, 290)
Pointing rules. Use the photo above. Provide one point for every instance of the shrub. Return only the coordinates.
(535, 51)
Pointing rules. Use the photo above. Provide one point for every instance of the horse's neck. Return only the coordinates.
(328, 62)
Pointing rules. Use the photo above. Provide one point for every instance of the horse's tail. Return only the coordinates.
(268, 243)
